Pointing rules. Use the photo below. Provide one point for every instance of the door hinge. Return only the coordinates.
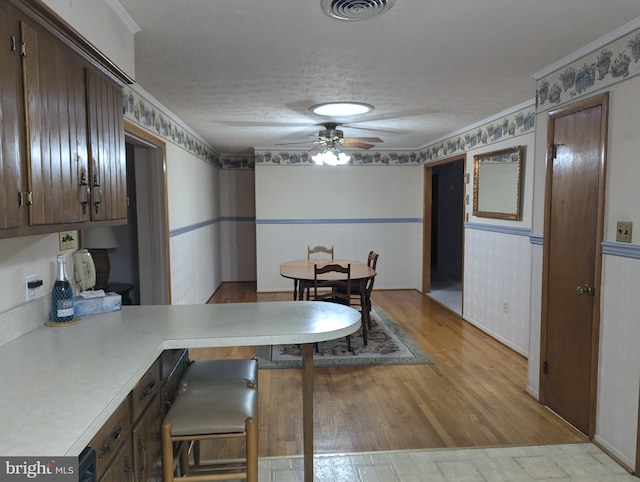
(23, 49)
(545, 367)
(553, 150)
(25, 198)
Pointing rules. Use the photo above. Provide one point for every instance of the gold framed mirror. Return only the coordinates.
(496, 183)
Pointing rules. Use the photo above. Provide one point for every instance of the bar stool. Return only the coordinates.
(219, 373)
(211, 374)
(208, 414)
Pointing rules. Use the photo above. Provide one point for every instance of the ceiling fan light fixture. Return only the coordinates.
(331, 157)
(335, 109)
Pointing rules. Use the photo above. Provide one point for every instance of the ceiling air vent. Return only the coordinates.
(355, 9)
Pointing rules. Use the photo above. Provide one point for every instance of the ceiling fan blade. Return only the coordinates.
(318, 147)
(267, 124)
(356, 144)
(295, 143)
(373, 129)
(363, 139)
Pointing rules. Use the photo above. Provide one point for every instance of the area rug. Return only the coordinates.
(388, 344)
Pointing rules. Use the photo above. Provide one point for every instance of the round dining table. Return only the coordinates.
(302, 272)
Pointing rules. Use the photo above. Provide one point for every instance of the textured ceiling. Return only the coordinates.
(243, 73)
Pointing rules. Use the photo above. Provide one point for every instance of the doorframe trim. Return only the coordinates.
(601, 100)
(142, 138)
(427, 220)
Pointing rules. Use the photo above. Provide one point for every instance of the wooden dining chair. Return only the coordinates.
(356, 292)
(332, 283)
(317, 252)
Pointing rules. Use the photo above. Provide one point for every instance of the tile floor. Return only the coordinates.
(446, 291)
(584, 462)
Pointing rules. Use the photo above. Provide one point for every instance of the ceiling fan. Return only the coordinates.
(331, 137)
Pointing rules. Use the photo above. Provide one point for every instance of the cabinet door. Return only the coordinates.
(147, 455)
(107, 149)
(11, 120)
(121, 468)
(55, 105)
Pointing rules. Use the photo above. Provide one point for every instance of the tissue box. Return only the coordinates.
(93, 306)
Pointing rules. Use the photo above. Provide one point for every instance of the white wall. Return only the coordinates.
(238, 225)
(194, 210)
(192, 188)
(354, 208)
(105, 24)
(20, 257)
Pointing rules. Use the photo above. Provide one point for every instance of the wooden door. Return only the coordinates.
(55, 97)
(573, 232)
(11, 120)
(108, 177)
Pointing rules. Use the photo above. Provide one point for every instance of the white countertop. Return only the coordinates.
(60, 384)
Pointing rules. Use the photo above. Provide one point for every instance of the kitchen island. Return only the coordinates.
(60, 384)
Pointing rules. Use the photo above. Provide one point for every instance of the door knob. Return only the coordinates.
(584, 290)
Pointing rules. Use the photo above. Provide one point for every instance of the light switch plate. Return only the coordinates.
(623, 231)
(67, 241)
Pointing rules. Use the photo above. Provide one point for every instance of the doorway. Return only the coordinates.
(144, 256)
(443, 232)
(574, 213)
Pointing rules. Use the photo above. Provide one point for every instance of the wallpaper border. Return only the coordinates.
(615, 62)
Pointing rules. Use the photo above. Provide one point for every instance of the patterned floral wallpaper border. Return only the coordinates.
(616, 61)
(506, 127)
(142, 112)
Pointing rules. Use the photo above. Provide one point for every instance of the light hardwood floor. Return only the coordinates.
(472, 397)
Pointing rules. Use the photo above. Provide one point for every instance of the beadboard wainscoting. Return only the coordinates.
(191, 249)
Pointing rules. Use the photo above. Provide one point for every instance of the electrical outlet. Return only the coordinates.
(34, 290)
(623, 231)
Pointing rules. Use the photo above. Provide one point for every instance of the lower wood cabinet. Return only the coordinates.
(147, 462)
(121, 468)
(128, 446)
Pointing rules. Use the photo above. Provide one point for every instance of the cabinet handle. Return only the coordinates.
(84, 192)
(142, 450)
(147, 391)
(128, 469)
(96, 193)
(106, 448)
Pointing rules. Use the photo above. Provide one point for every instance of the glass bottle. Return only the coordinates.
(61, 296)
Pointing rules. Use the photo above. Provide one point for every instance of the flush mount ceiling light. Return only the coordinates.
(355, 9)
(335, 109)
